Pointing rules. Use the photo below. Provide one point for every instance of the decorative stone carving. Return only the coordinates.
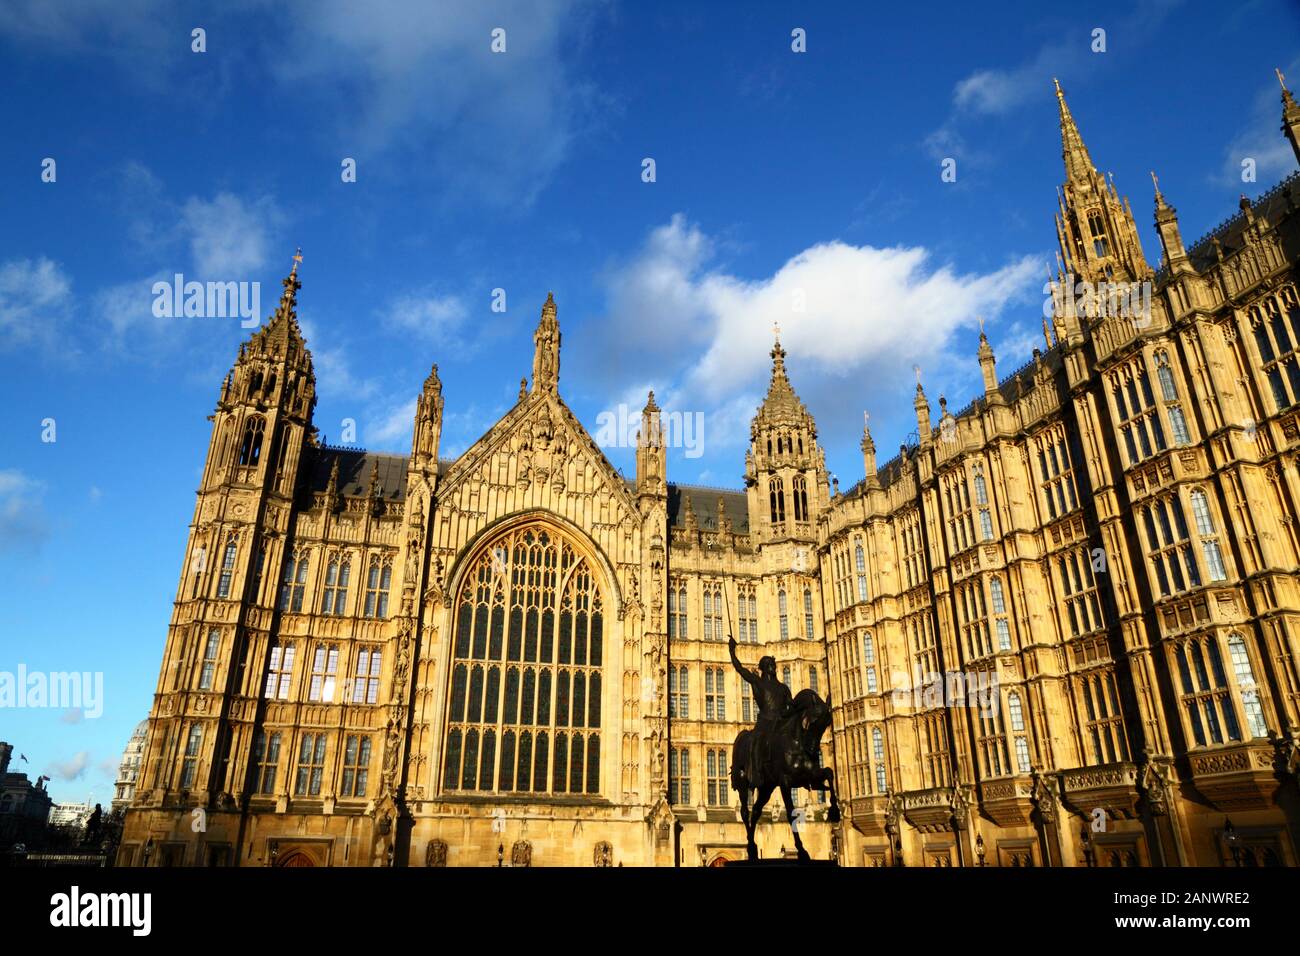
(435, 854)
(1044, 796)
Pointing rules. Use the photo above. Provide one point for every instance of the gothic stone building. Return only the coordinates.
(1061, 627)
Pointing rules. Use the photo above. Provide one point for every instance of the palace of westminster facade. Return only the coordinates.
(519, 656)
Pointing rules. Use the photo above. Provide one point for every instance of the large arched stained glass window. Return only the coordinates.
(527, 649)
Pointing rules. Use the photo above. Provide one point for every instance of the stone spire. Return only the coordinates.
(1171, 239)
(1290, 116)
(274, 366)
(281, 336)
(868, 453)
(651, 457)
(546, 351)
(988, 368)
(1078, 164)
(922, 406)
(1098, 238)
(781, 404)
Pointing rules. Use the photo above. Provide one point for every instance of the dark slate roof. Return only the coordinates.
(1273, 205)
(704, 502)
(355, 465)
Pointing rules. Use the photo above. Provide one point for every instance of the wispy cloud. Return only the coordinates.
(34, 298)
(399, 77)
(71, 769)
(427, 315)
(1259, 141)
(390, 428)
(1003, 90)
(229, 237)
(23, 524)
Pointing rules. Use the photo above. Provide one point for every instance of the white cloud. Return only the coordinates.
(127, 310)
(427, 314)
(23, 525)
(390, 428)
(1002, 91)
(34, 297)
(994, 91)
(868, 315)
(229, 236)
(71, 769)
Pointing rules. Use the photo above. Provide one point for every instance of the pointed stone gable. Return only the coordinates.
(538, 455)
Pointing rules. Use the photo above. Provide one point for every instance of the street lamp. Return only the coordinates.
(979, 850)
(1089, 854)
(148, 849)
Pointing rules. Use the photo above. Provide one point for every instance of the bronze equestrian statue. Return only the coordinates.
(781, 751)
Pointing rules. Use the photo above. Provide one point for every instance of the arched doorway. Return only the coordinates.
(295, 858)
(528, 645)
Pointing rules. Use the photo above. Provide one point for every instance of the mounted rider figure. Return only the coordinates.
(774, 703)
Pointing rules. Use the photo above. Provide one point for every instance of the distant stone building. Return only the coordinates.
(1061, 627)
(70, 815)
(128, 771)
(24, 806)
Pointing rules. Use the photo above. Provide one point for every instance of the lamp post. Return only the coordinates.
(148, 850)
(1230, 837)
(979, 850)
(1089, 854)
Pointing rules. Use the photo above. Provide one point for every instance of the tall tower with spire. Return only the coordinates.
(1094, 227)
(221, 620)
(785, 467)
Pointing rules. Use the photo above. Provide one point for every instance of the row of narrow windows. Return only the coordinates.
(714, 614)
(785, 445)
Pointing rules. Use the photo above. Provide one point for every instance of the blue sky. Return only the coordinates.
(775, 171)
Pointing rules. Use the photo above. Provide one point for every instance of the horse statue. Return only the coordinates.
(782, 749)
